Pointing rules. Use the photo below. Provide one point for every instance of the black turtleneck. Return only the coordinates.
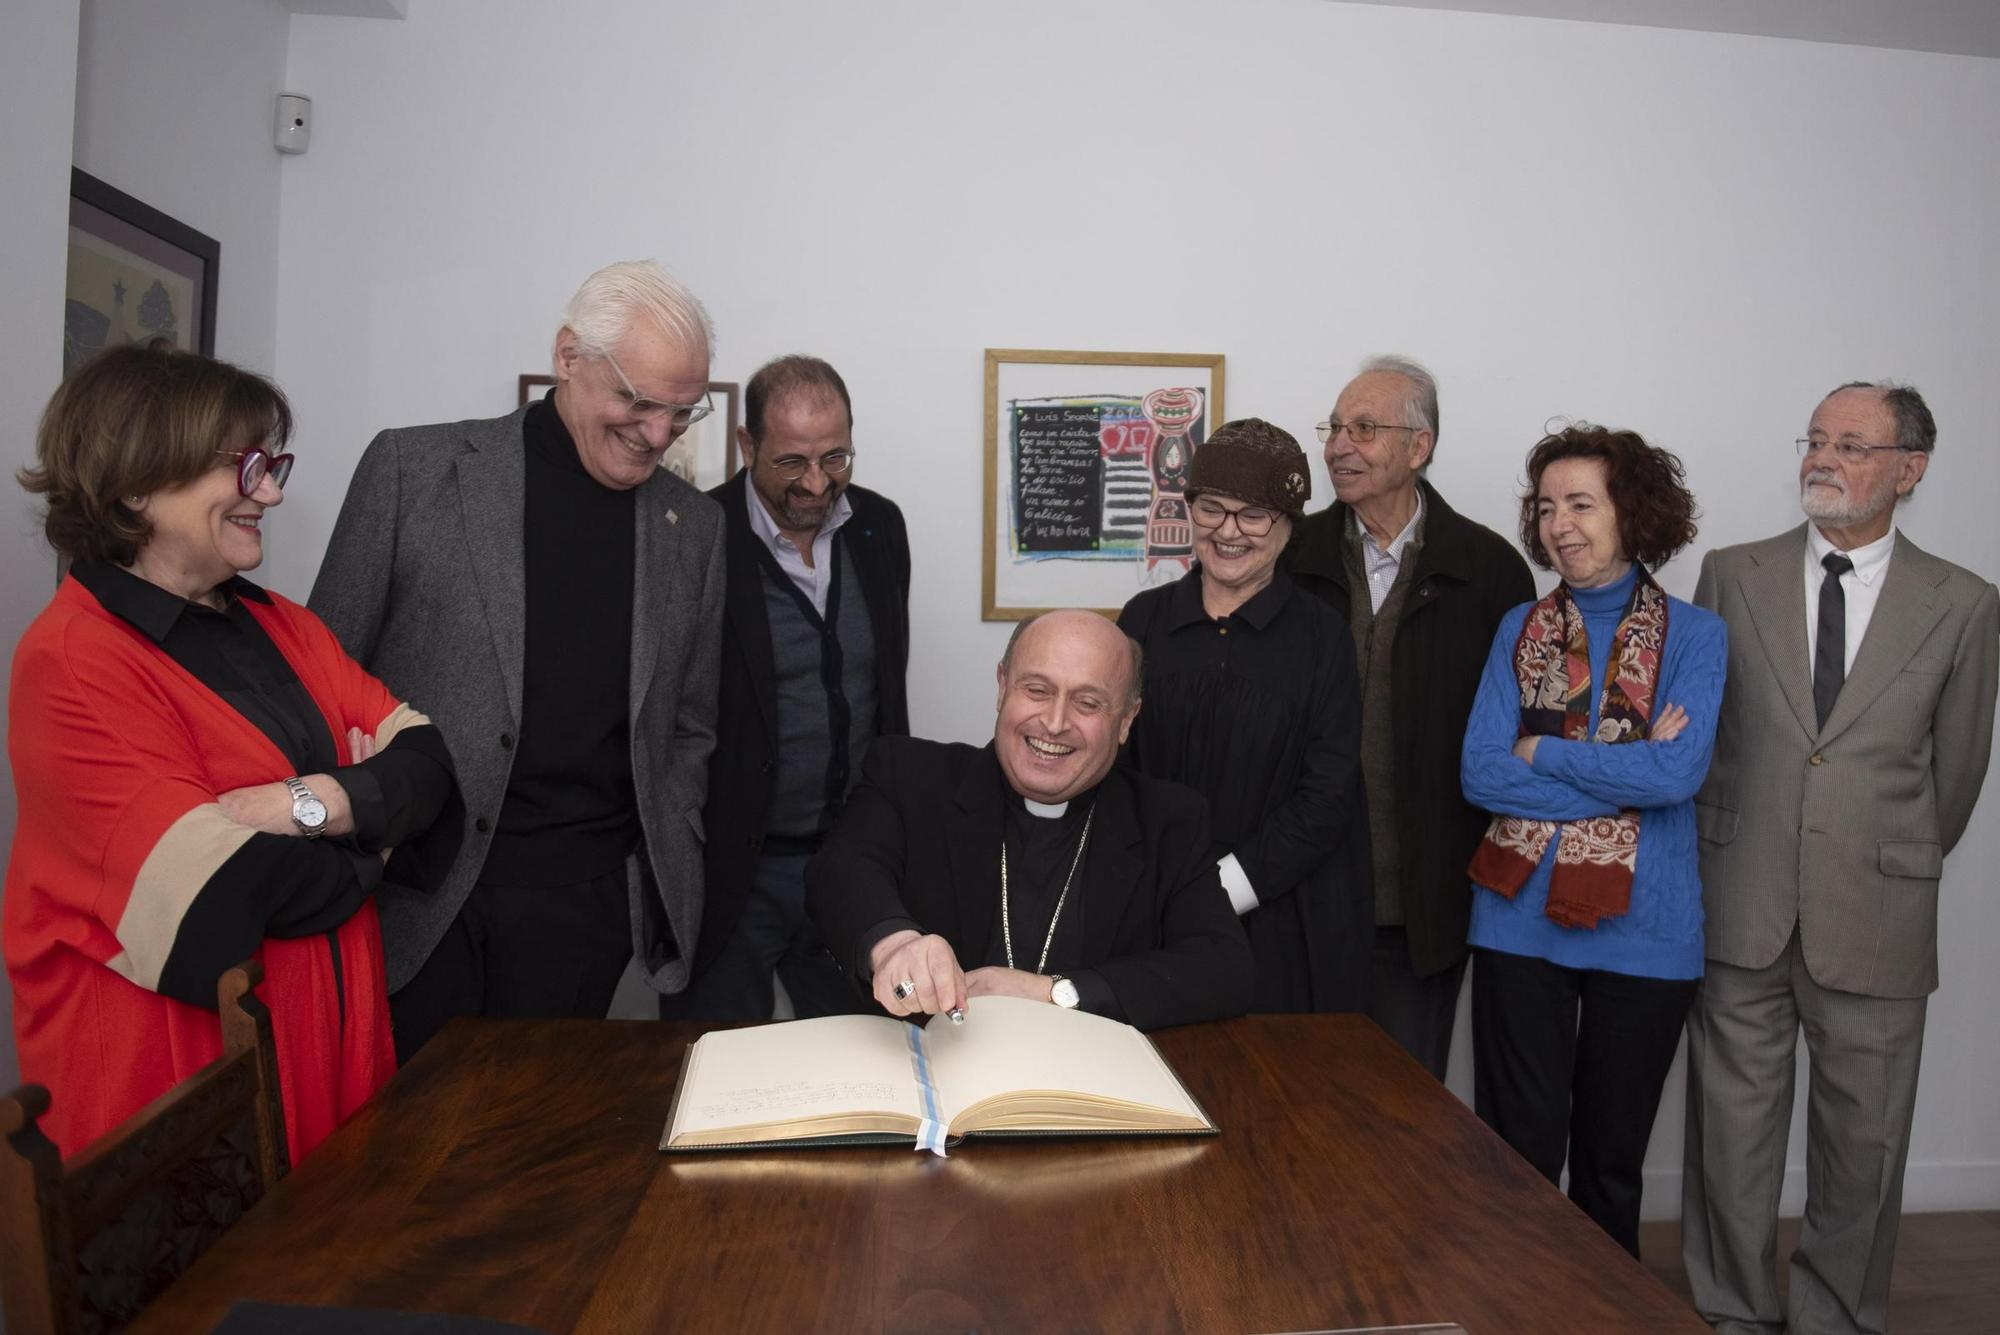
(570, 812)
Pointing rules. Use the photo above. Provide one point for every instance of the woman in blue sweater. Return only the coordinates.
(1590, 733)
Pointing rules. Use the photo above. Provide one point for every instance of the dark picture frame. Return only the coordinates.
(135, 275)
(706, 456)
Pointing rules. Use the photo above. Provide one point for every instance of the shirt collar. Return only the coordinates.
(766, 528)
(145, 605)
(1870, 559)
(1186, 609)
(1394, 551)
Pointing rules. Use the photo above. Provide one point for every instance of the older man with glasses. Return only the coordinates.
(816, 639)
(553, 597)
(1422, 589)
(1854, 739)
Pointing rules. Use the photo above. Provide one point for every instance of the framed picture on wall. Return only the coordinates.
(1087, 456)
(704, 456)
(135, 275)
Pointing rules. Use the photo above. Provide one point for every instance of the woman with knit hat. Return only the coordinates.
(1251, 698)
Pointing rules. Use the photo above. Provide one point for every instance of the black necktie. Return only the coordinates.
(1830, 653)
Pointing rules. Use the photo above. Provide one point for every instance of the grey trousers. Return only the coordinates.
(1742, 1040)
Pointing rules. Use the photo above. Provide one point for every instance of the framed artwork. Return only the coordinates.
(1087, 456)
(705, 456)
(135, 275)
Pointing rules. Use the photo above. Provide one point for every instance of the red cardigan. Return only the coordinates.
(118, 755)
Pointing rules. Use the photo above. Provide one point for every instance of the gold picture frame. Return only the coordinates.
(1086, 453)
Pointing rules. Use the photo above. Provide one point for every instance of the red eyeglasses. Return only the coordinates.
(254, 464)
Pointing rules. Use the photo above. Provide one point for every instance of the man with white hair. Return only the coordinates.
(1853, 741)
(1422, 588)
(554, 597)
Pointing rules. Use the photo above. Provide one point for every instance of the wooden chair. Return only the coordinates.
(85, 1245)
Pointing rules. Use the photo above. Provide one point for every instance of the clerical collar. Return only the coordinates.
(1046, 810)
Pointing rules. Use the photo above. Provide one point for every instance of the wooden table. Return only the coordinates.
(511, 1171)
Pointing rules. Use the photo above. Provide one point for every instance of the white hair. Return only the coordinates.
(1422, 401)
(602, 311)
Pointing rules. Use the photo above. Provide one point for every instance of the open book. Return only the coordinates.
(1013, 1068)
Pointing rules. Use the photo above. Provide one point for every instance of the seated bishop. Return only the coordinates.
(1031, 867)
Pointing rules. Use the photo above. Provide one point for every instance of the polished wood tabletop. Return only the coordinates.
(512, 1171)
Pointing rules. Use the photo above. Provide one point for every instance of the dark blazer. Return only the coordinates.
(424, 582)
(920, 839)
(743, 771)
(1466, 578)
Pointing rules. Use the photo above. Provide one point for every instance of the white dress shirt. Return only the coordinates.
(1381, 564)
(1861, 586)
(811, 579)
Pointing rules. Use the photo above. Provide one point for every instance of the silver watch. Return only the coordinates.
(308, 812)
(1063, 992)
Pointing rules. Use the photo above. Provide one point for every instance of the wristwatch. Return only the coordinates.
(308, 812)
(1063, 992)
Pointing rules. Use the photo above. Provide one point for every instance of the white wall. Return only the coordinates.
(37, 90)
(174, 105)
(1691, 234)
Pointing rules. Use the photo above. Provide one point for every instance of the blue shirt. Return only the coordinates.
(1661, 935)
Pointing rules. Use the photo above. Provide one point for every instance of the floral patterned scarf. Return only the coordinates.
(1595, 857)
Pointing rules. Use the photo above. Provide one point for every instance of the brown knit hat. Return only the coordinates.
(1253, 462)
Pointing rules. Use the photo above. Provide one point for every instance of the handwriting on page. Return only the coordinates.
(764, 1102)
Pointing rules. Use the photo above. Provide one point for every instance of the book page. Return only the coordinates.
(779, 1074)
(1008, 1045)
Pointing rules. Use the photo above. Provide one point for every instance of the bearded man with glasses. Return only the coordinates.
(816, 640)
(1422, 590)
(554, 596)
(1853, 742)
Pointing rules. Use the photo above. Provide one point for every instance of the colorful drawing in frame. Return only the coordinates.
(135, 276)
(706, 456)
(1087, 456)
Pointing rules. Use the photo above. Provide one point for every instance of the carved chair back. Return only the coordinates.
(85, 1245)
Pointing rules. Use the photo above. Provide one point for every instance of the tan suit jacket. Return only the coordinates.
(1842, 830)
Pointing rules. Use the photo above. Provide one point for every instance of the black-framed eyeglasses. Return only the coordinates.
(1252, 521)
(682, 415)
(255, 464)
(1359, 432)
(1850, 451)
(792, 467)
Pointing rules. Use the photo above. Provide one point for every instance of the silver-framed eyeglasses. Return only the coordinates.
(1252, 521)
(682, 415)
(254, 464)
(1359, 432)
(834, 463)
(1851, 451)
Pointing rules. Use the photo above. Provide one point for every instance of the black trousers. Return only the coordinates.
(1417, 1012)
(540, 953)
(1573, 1060)
(772, 936)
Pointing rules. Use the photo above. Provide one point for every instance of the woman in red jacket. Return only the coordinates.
(203, 775)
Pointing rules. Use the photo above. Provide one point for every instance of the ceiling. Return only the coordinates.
(1954, 27)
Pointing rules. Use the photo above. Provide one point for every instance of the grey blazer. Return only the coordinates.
(423, 583)
(1843, 830)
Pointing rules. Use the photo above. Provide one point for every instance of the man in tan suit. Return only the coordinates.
(1854, 737)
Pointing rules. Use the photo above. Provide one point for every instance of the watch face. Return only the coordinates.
(1064, 993)
(309, 812)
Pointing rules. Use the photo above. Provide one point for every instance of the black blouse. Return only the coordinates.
(1260, 712)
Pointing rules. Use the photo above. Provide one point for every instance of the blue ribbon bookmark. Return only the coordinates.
(930, 1131)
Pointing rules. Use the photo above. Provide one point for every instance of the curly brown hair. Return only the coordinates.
(135, 420)
(1656, 511)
